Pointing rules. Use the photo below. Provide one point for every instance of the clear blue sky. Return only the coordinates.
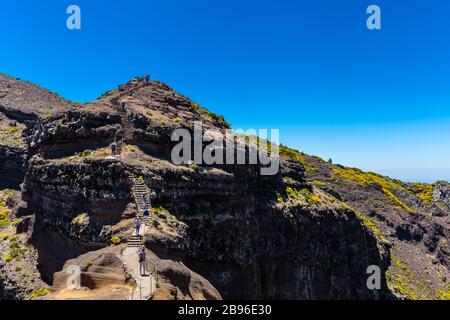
(378, 100)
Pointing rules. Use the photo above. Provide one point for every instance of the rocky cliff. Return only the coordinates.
(223, 231)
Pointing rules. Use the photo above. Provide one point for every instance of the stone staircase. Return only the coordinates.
(140, 191)
(125, 135)
(127, 128)
(145, 284)
(135, 241)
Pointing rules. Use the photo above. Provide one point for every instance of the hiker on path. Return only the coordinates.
(137, 225)
(144, 201)
(114, 148)
(146, 214)
(147, 77)
(142, 261)
(123, 105)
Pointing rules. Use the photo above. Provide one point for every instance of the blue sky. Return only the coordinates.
(378, 100)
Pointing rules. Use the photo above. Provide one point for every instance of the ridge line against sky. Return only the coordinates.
(377, 100)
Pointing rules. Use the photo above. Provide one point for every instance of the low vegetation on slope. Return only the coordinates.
(11, 135)
(401, 213)
(4, 210)
(365, 179)
(423, 191)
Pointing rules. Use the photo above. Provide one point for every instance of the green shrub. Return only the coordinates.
(5, 194)
(369, 223)
(279, 197)
(85, 153)
(177, 120)
(423, 191)
(116, 240)
(205, 112)
(41, 292)
(16, 222)
(193, 166)
(315, 200)
(160, 211)
(295, 156)
(4, 222)
(89, 263)
(4, 213)
(403, 280)
(13, 130)
(131, 148)
(443, 294)
(5, 236)
(397, 201)
(81, 219)
(364, 179)
(308, 196)
(319, 183)
(291, 193)
(16, 250)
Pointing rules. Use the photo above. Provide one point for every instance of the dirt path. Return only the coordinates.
(145, 285)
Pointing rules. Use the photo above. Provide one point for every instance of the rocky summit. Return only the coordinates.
(68, 208)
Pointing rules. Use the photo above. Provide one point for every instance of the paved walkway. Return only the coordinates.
(145, 285)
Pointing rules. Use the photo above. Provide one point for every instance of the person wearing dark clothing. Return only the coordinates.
(123, 106)
(142, 261)
(137, 225)
(146, 214)
(114, 148)
(147, 78)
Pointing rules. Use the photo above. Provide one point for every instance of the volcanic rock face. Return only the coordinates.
(221, 231)
(297, 260)
(12, 166)
(441, 196)
(413, 217)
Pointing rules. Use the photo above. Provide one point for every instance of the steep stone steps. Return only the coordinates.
(140, 190)
(127, 128)
(134, 243)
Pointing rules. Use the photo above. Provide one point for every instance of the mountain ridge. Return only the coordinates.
(207, 217)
